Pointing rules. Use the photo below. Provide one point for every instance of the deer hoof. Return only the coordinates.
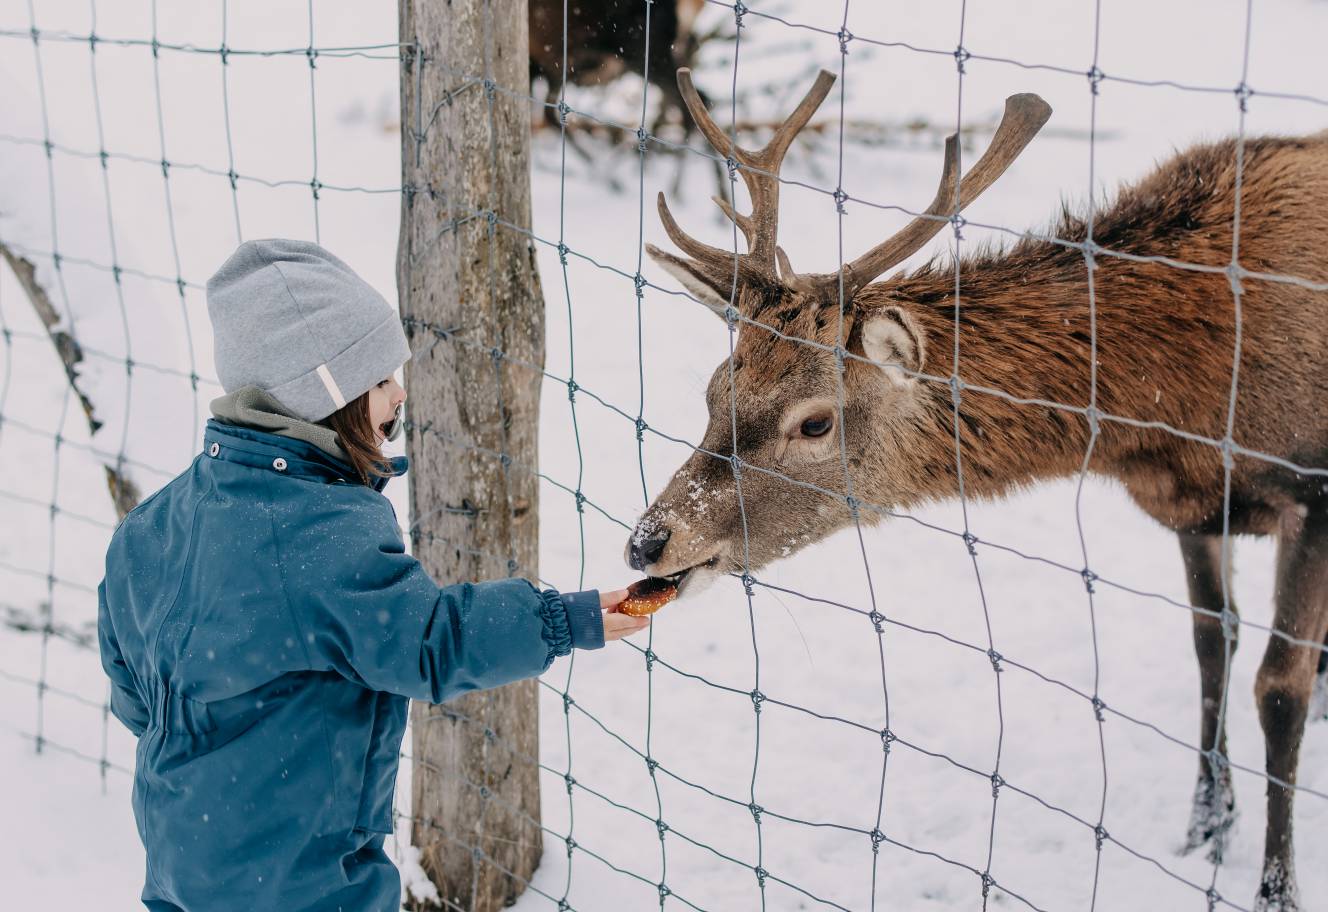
(1277, 892)
(1213, 816)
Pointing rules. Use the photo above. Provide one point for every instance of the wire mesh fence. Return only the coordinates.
(103, 382)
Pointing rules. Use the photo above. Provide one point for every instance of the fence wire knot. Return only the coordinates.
(640, 429)
(971, 543)
(572, 387)
(571, 845)
(569, 780)
(757, 699)
(562, 253)
(739, 10)
(887, 738)
(652, 764)
(1095, 77)
(756, 810)
(1089, 577)
(567, 702)
(839, 352)
(1213, 897)
(642, 137)
(747, 580)
(225, 54)
(961, 56)
(1227, 448)
(1243, 93)
(1099, 836)
(844, 36)
(996, 783)
(563, 110)
(987, 883)
(92, 42)
(580, 502)
(564, 905)
(956, 389)
(650, 659)
(995, 658)
(661, 827)
(731, 316)
(877, 837)
(877, 620)
(1099, 708)
(664, 890)
(761, 875)
(1229, 623)
(840, 196)
(640, 282)
(312, 54)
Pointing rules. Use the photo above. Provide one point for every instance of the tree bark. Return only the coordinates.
(465, 154)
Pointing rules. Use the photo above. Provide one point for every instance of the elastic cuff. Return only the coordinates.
(585, 621)
(555, 632)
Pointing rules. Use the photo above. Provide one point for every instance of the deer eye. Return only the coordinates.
(816, 427)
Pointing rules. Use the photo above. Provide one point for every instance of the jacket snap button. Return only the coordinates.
(214, 449)
(279, 464)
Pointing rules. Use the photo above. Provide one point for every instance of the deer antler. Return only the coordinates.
(1024, 116)
(760, 172)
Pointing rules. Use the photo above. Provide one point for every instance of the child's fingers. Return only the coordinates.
(611, 600)
(617, 626)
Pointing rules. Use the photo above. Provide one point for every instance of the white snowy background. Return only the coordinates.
(68, 840)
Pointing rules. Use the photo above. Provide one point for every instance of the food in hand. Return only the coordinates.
(648, 596)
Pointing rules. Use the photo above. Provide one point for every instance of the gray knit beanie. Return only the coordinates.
(291, 318)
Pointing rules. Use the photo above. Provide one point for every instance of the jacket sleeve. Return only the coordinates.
(126, 704)
(366, 609)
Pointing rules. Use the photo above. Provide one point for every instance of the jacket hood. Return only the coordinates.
(253, 406)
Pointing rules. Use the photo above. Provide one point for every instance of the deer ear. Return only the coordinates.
(892, 339)
(706, 288)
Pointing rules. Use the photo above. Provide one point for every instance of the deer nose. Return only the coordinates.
(647, 549)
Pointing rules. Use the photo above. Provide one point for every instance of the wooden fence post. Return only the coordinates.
(465, 142)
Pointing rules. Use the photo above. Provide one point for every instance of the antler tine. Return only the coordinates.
(1024, 116)
(741, 221)
(717, 259)
(759, 169)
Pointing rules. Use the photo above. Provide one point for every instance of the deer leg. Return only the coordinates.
(1283, 687)
(1214, 811)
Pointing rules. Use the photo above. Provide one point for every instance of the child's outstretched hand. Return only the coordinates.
(616, 624)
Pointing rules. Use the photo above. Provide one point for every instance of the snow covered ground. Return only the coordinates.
(70, 841)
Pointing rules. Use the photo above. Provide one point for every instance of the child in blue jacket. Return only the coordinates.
(263, 627)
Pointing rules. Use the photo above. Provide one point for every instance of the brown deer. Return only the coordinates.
(1165, 338)
(606, 38)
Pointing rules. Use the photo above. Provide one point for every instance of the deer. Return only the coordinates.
(606, 38)
(1165, 344)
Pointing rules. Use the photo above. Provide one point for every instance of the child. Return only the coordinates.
(263, 627)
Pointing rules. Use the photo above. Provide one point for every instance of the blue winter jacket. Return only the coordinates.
(263, 627)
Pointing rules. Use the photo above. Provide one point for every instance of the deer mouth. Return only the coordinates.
(695, 576)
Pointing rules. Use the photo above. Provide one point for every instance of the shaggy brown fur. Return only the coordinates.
(1166, 343)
